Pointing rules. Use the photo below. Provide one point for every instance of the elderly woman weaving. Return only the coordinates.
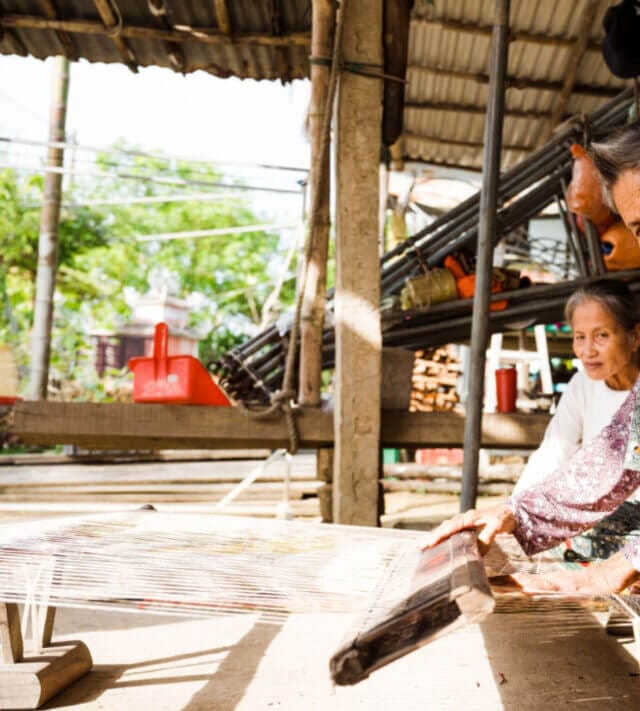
(599, 477)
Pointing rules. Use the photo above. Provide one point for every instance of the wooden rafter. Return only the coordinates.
(578, 50)
(18, 45)
(473, 109)
(64, 38)
(460, 142)
(179, 33)
(474, 167)
(516, 82)
(276, 30)
(222, 16)
(108, 16)
(514, 35)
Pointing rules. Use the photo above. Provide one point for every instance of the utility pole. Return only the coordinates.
(48, 239)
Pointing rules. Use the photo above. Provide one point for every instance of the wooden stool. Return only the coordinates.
(29, 680)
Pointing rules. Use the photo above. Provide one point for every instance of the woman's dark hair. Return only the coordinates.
(620, 152)
(615, 296)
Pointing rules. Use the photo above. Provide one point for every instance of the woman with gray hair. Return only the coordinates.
(597, 478)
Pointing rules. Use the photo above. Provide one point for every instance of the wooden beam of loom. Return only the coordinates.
(126, 426)
(179, 33)
(28, 680)
(111, 22)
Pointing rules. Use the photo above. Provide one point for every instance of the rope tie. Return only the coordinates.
(283, 401)
(365, 69)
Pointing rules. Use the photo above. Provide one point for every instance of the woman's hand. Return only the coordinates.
(487, 522)
(612, 575)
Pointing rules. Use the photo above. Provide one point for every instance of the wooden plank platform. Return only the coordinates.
(131, 426)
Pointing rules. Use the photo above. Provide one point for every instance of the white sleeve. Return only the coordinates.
(562, 438)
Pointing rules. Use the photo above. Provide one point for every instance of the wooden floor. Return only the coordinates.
(531, 660)
(519, 662)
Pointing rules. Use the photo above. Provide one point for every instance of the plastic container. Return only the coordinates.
(506, 389)
(179, 379)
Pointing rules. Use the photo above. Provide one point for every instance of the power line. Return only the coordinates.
(144, 154)
(192, 197)
(152, 179)
(194, 234)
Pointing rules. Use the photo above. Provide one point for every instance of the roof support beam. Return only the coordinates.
(514, 35)
(15, 40)
(472, 109)
(222, 17)
(461, 142)
(519, 83)
(576, 56)
(179, 33)
(64, 38)
(113, 24)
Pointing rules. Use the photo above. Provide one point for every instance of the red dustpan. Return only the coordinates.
(179, 379)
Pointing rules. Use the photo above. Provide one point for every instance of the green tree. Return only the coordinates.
(227, 277)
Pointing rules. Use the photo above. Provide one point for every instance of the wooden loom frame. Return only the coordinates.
(27, 681)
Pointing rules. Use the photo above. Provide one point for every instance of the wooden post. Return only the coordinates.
(48, 241)
(313, 302)
(486, 238)
(11, 650)
(357, 300)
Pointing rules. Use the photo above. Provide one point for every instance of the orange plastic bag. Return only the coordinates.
(584, 195)
(622, 248)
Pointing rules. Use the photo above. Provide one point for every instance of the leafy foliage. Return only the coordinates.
(227, 278)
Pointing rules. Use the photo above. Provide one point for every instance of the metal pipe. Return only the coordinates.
(486, 233)
(595, 252)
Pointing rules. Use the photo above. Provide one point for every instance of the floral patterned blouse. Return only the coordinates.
(588, 487)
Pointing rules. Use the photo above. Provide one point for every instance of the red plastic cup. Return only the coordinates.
(506, 389)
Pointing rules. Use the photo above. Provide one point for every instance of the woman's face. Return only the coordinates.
(601, 343)
(626, 198)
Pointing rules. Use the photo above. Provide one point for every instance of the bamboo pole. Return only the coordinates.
(357, 299)
(48, 240)
(313, 300)
(486, 237)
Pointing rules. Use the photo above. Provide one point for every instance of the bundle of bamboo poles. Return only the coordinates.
(252, 371)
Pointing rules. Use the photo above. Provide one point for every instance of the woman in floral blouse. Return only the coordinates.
(601, 475)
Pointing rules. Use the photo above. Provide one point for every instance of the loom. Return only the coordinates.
(204, 565)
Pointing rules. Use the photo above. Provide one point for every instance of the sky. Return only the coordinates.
(195, 116)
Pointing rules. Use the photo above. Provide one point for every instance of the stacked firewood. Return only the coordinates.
(435, 374)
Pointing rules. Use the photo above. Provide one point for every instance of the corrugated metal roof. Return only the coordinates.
(448, 57)
(266, 40)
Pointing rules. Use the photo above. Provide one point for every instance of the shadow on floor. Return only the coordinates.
(222, 690)
(551, 654)
(103, 677)
(228, 685)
